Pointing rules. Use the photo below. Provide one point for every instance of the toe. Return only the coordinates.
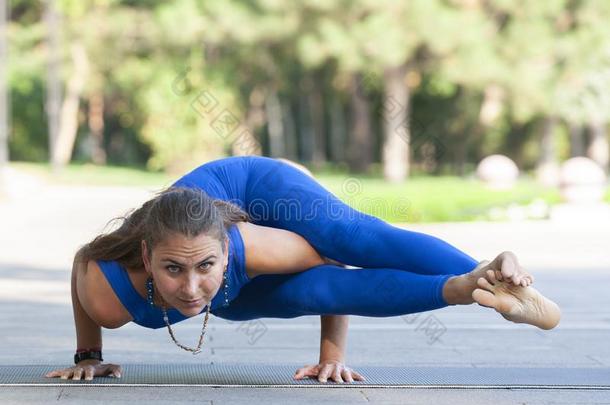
(483, 283)
(491, 276)
(484, 298)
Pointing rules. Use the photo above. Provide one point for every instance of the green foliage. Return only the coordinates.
(549, 58)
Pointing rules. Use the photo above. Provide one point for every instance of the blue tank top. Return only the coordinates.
(151, 316)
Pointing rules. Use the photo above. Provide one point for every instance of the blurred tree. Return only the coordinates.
(583, 92)
(53, 93)
(4, 97)
(418, 85)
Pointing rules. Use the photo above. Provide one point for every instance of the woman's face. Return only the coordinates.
(186, 269)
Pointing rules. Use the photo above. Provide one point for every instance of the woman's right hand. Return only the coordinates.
(87, 369)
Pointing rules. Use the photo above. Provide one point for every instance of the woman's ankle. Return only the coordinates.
(458, 290)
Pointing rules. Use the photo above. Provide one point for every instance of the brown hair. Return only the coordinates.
(186, 211)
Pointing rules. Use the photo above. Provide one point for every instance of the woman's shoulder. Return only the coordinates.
(99, 298)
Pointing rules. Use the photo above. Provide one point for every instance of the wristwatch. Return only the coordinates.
(91, 354)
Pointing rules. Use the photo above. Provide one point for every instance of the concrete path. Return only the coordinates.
(571, 262)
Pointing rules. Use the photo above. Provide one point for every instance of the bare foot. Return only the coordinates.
(507, 268)
(458, 289)
(516, 303)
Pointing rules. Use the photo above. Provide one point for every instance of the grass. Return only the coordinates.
(89, 174)
(433, 199)
(420, 199)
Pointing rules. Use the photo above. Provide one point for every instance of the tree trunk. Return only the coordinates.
(359, 153)
(53, 98)
(246, 142)
(598, 149)
(396, 125)
(337, 131)
(491, 107)
(547, 142)
(275, 126)
(316, 108)
(306, 132)
(96, 128)
(69, 110)
(459, 165)
(290, 134)
(577, 142)
(547, 168)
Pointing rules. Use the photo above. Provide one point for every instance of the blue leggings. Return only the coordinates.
(401, 271)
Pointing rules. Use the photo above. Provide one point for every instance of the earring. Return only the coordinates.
(150, 290)
(226, 288)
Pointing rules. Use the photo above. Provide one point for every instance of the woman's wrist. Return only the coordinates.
(332, 355)
(333, 337)
(89, 349)
(89, 362)
(93, 353)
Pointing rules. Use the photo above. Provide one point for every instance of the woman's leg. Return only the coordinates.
(282, 196)
(334, 290)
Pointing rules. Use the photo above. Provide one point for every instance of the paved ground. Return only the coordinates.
(571, 262)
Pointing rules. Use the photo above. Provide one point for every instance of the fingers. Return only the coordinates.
(86, 372)
(336, 371)
(54, 373)
(89, 373)
(66, 374)
(114, 370)
(325, 372)
(357, 375)
(347, 375)
(307, 371)
(78, 372)
(351, 375)
(116, 373)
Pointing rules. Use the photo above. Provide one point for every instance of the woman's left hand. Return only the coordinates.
(334, 369)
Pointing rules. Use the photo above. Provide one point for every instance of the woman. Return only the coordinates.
(251, 237)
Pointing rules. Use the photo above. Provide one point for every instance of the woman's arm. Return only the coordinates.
(333, 337)
(276, 251)
(88, 332)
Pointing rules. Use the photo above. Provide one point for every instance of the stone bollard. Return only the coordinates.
(582, 186)
(498, 172)
(582, 181)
